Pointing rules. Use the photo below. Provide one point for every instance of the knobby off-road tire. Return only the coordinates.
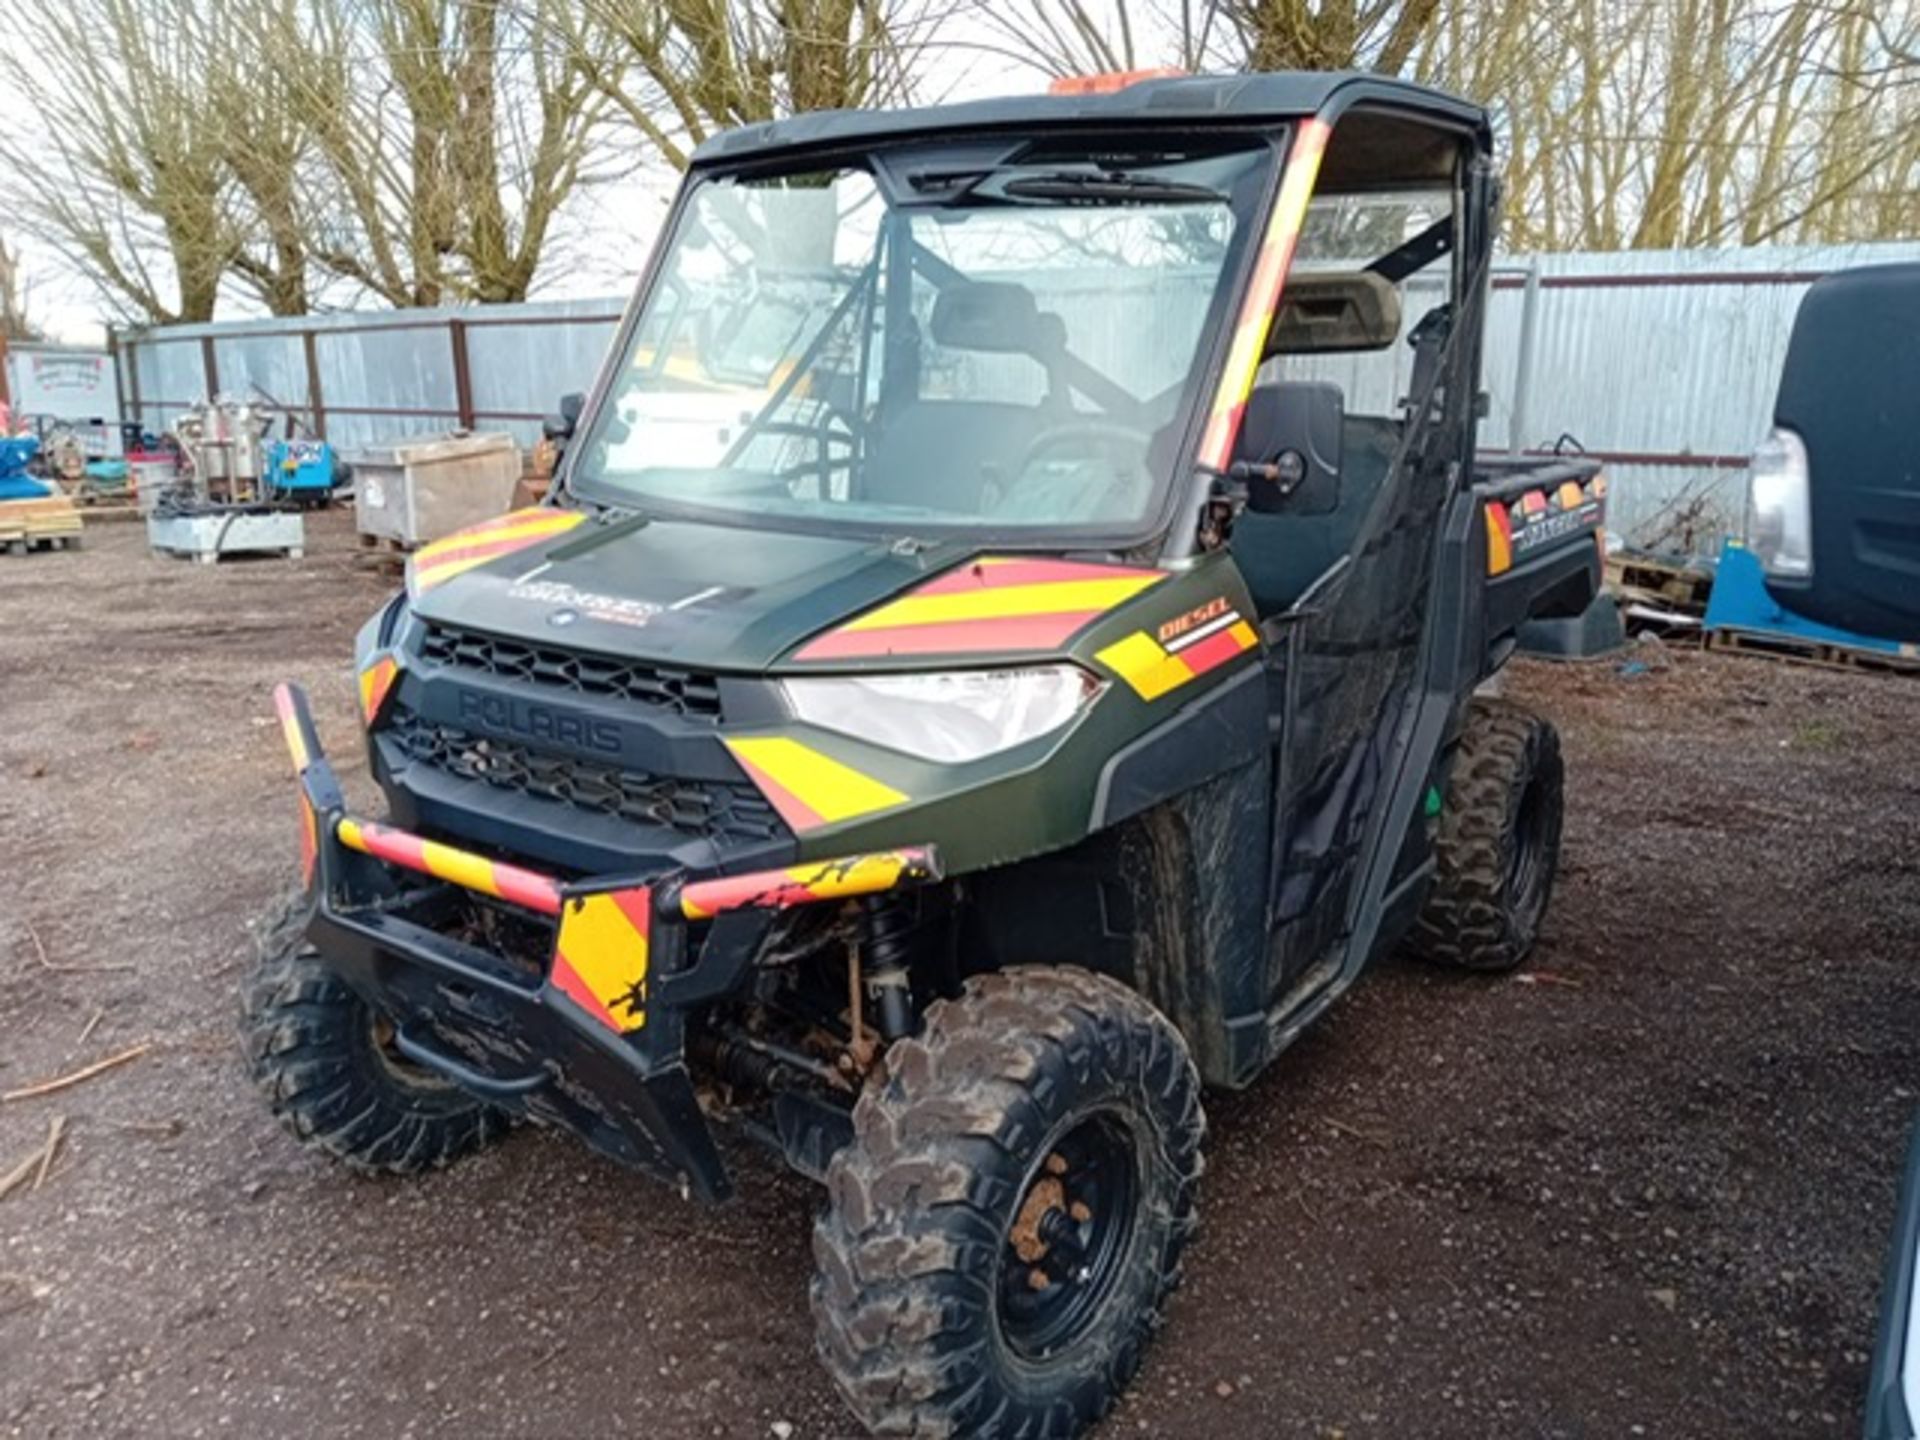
(1499, 842)
(318, 1053)
(999, 1238)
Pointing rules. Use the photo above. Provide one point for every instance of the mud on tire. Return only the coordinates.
(1043, 1130)
(315, 1050)
(1499, 842)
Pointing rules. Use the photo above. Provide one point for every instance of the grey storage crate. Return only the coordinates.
(428, 486)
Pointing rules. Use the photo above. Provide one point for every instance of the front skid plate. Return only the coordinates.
(527, 1048)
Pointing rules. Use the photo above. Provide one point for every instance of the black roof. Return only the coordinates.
(1189, 99)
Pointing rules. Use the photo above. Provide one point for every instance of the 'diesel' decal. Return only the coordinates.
(1184, 648)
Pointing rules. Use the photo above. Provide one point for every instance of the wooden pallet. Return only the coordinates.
(381, 561)
(16, 544)
(1662, 584)
(1800, 650)
(383, 545)
(46, 523)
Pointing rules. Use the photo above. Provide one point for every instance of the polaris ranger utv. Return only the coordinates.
(1000, 654)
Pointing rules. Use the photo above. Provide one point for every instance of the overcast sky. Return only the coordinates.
(598, 245)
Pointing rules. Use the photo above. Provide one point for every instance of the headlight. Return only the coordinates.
(1779, 519)
(953, 716)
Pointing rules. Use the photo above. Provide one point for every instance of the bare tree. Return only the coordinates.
(123, 172)
(1067, 37)
(442, 137)
(681, 69)
(267, 148)
(1644, 123)
(15, 323)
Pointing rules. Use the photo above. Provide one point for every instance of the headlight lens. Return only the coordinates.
(952, 716)
(1779, 516)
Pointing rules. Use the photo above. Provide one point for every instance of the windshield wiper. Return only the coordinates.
(1107, 186)
(1072, 186)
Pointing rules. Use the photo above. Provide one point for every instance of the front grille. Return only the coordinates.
(729, 814)
(683, 692)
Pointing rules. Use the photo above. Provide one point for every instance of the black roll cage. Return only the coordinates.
(1161, 536)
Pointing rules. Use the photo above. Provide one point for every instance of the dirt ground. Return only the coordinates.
(1643, 1190)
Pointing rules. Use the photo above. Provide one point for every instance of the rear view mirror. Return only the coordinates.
(562, 425)
(1290, 449)
(990, 316)
(1330, 312)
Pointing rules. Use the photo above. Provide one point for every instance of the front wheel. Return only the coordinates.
(1002, 1233)
(1499, 842)
(326, 1063)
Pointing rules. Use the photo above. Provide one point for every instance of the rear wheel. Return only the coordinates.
(325, 1060)
(1003, 1231)
(1499, 842)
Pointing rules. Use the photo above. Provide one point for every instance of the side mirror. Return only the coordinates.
(1290, 450)
(562, 425)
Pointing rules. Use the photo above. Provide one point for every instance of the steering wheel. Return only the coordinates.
(1102, 435)
(1083, 488)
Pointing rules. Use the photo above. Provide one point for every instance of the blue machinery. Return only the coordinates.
(300, 470)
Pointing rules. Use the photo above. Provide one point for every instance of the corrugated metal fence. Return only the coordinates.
(1661, 362)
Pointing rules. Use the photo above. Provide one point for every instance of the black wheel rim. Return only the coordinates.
(1527, 861)
(1067, 1238)
(387, 1056)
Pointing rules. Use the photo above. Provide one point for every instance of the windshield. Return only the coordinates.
(996, 338)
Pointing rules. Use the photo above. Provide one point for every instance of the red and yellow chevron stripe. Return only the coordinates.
(455, 866)
(996, 604)
(289, 713)
(1154, 669)
(309, 841)
(600, 958)
(1499, 537)
(810, 789)
(439, 562)
(375, 681)
(1263, 294)
(806, 884)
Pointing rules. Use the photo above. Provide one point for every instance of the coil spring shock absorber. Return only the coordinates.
(891, 929)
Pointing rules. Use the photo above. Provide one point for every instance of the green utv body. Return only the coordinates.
(999, 654)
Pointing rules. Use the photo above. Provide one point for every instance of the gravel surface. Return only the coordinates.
(1643, 1189)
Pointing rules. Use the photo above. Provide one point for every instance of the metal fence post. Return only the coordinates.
(462, 373)
(316, 398)
(1523, 362)
(130, 356)
(209, 366)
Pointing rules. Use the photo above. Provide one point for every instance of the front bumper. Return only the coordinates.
(592, 1038)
